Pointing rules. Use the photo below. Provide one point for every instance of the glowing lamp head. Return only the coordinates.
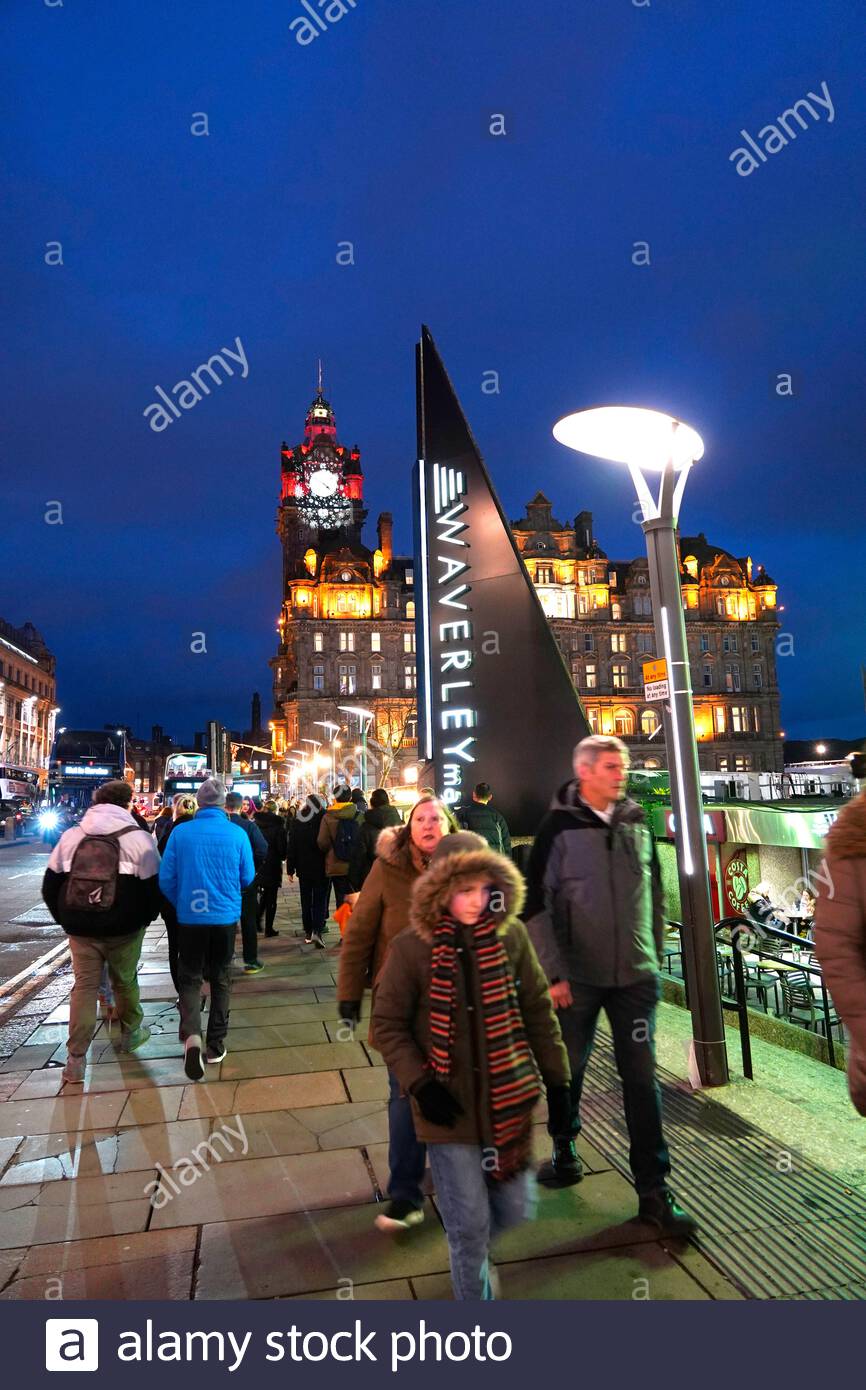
(630, 434)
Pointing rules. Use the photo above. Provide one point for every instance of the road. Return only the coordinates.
(21, 868)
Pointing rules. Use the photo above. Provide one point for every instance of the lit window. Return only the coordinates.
(347, 641)
(739, 719)
(582, 606)
(341, 603)
(649, 722)
(723, 765)
(409, 677)
(408, 641)
(410, 577)
(375, 641)
(590, 676)
(592, 719)
(376, 677)
(619, 671)
(616, 611)
(410, 608)
(617, 642)
(318, 641)
(611, 578)
(742, 764)
(623, 722)
(756, 719)
(348, 680)
(719, 719)
(544, 574)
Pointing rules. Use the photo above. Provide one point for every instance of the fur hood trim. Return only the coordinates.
(436, 887)
(846, 838)
(392, 847)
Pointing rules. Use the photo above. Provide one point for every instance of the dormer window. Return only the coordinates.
(690, 565)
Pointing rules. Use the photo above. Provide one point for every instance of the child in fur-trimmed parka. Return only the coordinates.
(465, 1022)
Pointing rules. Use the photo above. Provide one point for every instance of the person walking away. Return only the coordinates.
(380, 815)
(840, 934)
(465, 1022)
(182, 808)
(102, 887)
(270, 876)
(594, 914)
(208, 863)
(337, 834)
(307, 861)
(164, 822)
(379, 915)
(484, 819)
(249, 896)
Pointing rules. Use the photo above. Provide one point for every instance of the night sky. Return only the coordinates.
(517, 250)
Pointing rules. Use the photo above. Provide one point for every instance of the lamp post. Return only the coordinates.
(651, 442)
(334, 730)
(365, 716)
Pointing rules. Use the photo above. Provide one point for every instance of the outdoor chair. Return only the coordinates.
(799, 1004)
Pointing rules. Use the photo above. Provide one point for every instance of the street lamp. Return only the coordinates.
(335, 729)
(365, 716)
(650, 441)
(821, 748)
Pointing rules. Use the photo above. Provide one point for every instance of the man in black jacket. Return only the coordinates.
(249, 896)
(485, 820)
(380, 814)
(308, 861)
(113, 935)
(270, 875)
(594, 913)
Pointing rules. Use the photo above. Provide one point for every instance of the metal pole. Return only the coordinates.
(699, 947)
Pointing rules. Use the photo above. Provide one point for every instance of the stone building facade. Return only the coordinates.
(28, 704)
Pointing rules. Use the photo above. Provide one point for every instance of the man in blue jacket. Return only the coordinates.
(208, 863)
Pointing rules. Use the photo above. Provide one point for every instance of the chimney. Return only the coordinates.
(156, 734)
(256, 713)
(385, 529)
(583, 530)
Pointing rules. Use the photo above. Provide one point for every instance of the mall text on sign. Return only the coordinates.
(655, 677)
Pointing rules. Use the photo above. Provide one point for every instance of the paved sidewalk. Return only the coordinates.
(262, 1180)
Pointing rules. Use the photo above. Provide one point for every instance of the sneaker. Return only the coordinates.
(318, 943)
(192, 1063)
(131, 1042)
(73, 1071)
(661, 1209)
(399, 1216)
(565, 1167)
(308, 940)
(215, 1052)
(253, 968)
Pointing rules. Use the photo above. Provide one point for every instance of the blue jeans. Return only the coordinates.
(475, 1211)
(406, 1157)
(631, 1012)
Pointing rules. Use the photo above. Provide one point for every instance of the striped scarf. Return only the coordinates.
(512, 1073)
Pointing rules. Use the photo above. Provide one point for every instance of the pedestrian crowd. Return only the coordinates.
(485, 988)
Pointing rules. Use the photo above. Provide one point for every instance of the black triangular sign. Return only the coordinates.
(495, 700)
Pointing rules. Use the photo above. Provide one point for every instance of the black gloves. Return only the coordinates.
(559, 1111)
(437, 1104)
(349, 1011)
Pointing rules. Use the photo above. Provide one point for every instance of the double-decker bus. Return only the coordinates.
(184, 772)
(18, 784)
(80, 760)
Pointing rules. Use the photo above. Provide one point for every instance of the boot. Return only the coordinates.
(565, 1167)
(661, 1209)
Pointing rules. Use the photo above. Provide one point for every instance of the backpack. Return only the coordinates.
(93, 873)
(344, 839)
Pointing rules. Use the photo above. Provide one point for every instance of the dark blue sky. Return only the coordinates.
(516, 250)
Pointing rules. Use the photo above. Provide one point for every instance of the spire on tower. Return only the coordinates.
(320, 377)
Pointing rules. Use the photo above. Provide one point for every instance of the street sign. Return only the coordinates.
(655, 678)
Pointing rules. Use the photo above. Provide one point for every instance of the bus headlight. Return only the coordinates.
(48, 820)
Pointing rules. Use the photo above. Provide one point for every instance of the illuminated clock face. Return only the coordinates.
(323, 483)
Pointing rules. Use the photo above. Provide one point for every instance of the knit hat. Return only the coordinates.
(211, 793)
(456, 859)
(463, 842)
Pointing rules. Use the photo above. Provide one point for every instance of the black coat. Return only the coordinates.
(274, 830)
(304, 857)
(364, 851)
(487, 822)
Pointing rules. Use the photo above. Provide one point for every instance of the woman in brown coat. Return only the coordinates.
(840, 934)
(379, 915)
(465, 1021)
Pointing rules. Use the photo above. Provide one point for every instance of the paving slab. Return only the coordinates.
(66, 1114)
(107, 1250)
(289, 1061)
(261, 1094)
(268, 1186)
(152, 1107)
(272, 1132)
(390, 1290)
(313, 1252)
(371, 1084)
(31, 1225)
(167, 1277)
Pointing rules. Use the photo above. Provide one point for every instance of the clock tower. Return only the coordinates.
(322, 493)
